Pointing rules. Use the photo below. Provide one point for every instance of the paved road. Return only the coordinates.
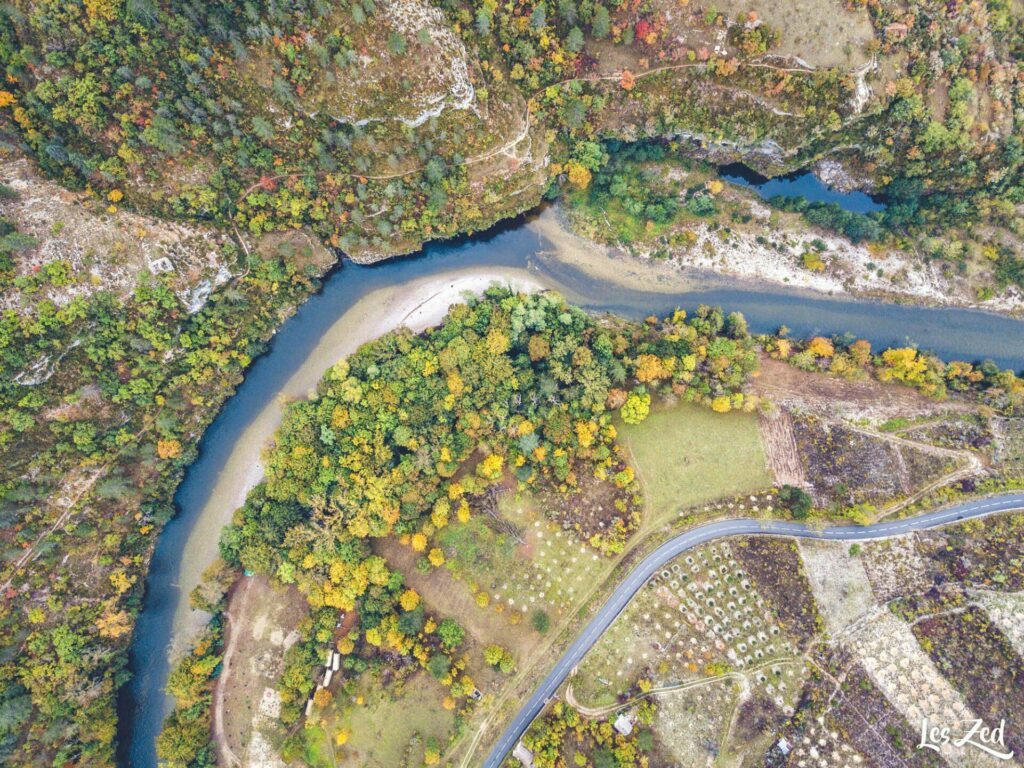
(705, 533)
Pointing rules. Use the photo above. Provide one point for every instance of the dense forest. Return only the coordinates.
(103, 399)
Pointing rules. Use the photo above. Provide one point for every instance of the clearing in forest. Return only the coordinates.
(393, 724)
(686, 455)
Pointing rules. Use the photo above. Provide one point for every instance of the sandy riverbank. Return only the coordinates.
(851, 270)
(416, 305)
(607, 265)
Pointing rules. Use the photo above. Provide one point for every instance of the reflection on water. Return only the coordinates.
(800, 184)
(228, 461)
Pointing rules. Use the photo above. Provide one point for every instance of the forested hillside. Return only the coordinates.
(382, 124)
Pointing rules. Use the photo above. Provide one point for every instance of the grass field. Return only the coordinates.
(687, 455)
(389, 729)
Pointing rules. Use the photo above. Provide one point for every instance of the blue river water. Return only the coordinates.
(800, 184)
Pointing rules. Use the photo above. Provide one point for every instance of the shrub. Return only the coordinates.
(541, 621)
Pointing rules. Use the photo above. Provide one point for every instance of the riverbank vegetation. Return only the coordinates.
(999, 389)
(655, 201)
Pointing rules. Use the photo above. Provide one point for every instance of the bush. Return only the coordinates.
(856, 226)
(541, 621)
(438, 665)
(451, 633)
(701, 205)
(796, 500)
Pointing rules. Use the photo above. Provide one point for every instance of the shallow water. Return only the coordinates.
(311, 340)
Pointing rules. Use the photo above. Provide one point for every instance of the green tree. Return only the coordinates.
(451, 633)
(796, 500)
(541, 621)
(637, 406)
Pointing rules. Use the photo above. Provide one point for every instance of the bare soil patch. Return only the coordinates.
(298, 246)
(1009, 435)
(780, 447)
(261, 625)
(839, 584)
(894, 568)
(839, 397)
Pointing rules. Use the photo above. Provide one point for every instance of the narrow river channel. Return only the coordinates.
(349, 308)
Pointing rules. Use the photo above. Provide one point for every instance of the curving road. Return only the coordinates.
(702, 535)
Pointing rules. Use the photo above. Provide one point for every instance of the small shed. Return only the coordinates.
(784, 746)
(623, 724)
(523, 755)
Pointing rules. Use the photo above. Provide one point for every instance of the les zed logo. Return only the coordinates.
(977, 735)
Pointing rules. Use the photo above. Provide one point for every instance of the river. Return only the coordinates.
(349, 310)
(803, 184)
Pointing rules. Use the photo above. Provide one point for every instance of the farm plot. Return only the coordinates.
(856, 722)
(775, 566)
(780, 447)
(686, 456)
(596, 511)
(981, 663)
(701, 616)
(889, 652)
(894, 567)
(1010, 443)
(262, 626)
(691, 725)
(821, 32)
(839, 582)
(385, 725)
(962, 430)
(822, 745)
(849, 466)
(838, 397)
(985, 552)
(519, 562)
